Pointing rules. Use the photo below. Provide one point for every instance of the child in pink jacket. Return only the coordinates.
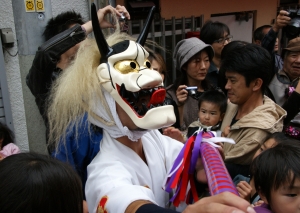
(7, 147)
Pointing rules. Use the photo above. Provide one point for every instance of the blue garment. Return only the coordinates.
(268, 43)
(213, 74)
(80, 151)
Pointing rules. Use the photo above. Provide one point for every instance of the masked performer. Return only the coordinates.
(112, 82)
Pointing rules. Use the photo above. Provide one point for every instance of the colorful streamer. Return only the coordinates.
(183, 171)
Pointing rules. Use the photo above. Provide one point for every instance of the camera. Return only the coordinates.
(192, 90)
(293, 29)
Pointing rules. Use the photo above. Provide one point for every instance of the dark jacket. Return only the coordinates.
(44, 71)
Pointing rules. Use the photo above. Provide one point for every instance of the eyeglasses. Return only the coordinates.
(222, 40)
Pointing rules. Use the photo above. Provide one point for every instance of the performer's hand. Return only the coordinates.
(174, 133)
(181, 94)
(244, 190)
(225, 202)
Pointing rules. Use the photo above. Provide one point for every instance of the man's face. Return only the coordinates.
(237, 91)
(291, 65)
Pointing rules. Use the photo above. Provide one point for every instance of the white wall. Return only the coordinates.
(241, 30)
(14, 79)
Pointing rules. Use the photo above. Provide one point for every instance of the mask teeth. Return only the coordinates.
(123, 91)
(136, 95)
(144, 107)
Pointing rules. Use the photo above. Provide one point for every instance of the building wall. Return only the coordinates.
(266, 10)
(13, 74)
(29, 126)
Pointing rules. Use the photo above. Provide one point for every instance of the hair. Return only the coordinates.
(279, 137)
(258, 34)
(216, 97)
(212, 31)
(6, 134)
(251, 61)
(231, 46)
(61, 23)
(32, 182)
(158, 57)
(278, 165)
(226, 51)
(74, 92)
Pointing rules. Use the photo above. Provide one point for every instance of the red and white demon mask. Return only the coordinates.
(126, 74)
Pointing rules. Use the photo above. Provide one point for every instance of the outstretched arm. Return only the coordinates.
(119, 10)
(269, 40)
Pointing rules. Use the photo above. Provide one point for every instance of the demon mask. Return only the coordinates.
(125, 73)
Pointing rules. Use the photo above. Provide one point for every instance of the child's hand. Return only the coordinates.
(226, 131)
(244, 190)
(174, 133)
(258, 203)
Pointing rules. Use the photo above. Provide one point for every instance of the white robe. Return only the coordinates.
(120, 174)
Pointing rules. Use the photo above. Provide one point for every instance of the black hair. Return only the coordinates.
(153, 55)
(279, 137)
(251, 61)
(231, 46)
(61, 23)
(32, 182)
(276, 166)
(216, 97)
(225, 51)
(258, 34)
(6, 134)
(212, 31)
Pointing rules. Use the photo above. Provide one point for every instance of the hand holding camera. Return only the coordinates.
(181, 94)
(282, 20)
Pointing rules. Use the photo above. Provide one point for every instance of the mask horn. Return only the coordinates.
(143, 36)
(103, 47)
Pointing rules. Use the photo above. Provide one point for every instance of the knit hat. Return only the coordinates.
(293, 45)
(187, 48)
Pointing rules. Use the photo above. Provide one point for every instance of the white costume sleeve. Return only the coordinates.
(118, 176)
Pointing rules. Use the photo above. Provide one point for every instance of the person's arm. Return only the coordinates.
(119, 10)
(292, 105)
(269, 39)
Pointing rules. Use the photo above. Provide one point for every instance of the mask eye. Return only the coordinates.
(147, 64)
(127, 66)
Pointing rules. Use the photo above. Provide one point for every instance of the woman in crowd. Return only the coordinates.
(217, 35)
(192, 57)
(158, 64)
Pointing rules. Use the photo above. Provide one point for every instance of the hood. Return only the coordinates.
(268, 117)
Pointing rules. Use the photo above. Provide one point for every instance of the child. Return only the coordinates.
(245, 185)
(7, 147)
(212, 106)
(276, 174)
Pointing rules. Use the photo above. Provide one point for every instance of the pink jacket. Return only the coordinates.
(9, 149)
